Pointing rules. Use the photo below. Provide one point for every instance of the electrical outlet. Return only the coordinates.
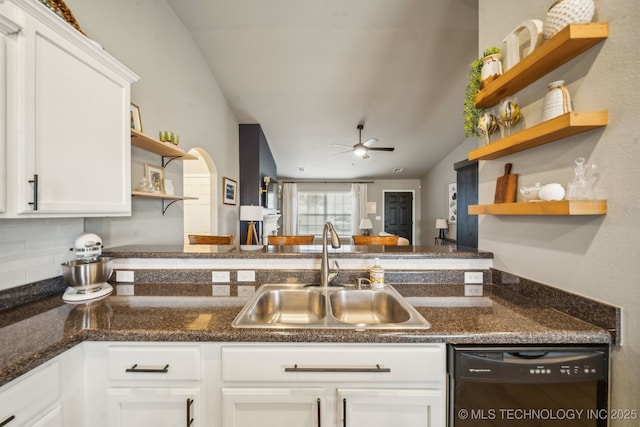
(472, 290)
(124, 276)
(221, 290)
(125, 290)
(220, 277)
(473, 277)
(246, 276)
(246, 290)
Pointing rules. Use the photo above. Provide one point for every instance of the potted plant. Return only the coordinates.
(471, 112)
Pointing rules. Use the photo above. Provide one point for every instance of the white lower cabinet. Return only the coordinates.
(335, 385)
(144, 385)
(273, 406)
(136, 407)
(51, 395)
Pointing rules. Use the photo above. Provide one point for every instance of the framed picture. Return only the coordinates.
(136, 121)
(155, 177)
(453, 203)
(229, 191)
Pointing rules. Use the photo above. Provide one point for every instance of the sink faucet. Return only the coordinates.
(335, 243)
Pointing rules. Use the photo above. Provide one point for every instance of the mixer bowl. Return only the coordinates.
(87, 275)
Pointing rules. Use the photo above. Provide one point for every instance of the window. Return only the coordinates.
(317, 207)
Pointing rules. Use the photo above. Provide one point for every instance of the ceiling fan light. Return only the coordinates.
(360, 151)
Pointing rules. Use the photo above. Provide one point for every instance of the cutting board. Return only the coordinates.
(506, 186)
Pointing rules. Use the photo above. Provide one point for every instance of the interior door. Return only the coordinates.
(467, 225)
(398, 213)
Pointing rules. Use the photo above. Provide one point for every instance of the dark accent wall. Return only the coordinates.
(256, 162)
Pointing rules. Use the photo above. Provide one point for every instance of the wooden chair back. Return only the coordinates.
(291, 240)
(201, 239)
(375, 240)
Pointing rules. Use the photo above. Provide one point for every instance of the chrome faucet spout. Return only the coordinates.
(335, 243)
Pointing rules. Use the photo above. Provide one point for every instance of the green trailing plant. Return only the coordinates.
(471, 112)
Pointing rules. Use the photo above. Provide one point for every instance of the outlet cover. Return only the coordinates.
(246, 290)
(220, 290)
(472, 290)
(473, 277)
(220, 277)
(124, 276)
(246, 276)
(125, 290)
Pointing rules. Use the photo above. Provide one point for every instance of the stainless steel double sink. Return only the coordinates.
(300, 306)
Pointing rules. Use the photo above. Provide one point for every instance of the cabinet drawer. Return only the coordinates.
(150, 363)
(388, 363)
(30, 395)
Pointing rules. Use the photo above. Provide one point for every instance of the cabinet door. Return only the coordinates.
(273, 407)
(391, 407)
(52, 419)
(153, 407)
(76, 132)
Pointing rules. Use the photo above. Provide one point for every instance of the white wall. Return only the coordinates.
(176, 92)
(592, 256)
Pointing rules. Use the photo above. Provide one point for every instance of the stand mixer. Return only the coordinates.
(87, 275)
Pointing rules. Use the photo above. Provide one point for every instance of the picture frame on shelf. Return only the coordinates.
(136, 119)
(155, 177)
(229, 191)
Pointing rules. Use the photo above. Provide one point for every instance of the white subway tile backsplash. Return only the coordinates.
(32, 249)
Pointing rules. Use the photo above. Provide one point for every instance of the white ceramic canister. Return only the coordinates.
(491, 69)
(557, 101)
(553, 191)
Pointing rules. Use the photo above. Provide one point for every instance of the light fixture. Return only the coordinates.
(251, 214)
(441, 224)
(366, 226)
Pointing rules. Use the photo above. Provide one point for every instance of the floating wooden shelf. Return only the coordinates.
(567, 44)
(147, 143)
(561, 207)
(568, 124)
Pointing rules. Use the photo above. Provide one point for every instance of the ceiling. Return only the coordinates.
(309, 71)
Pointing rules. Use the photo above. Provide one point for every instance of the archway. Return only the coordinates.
(200, 180)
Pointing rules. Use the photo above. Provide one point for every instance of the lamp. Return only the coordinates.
(365, 226)
(441, 224)
(251, 214)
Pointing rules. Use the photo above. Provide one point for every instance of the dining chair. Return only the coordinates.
(291, 240)
(375, 240)
(201, 239)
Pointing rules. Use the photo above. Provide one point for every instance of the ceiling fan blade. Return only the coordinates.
(370, 142)
(341, 145)
(342, 152)
(381, 148)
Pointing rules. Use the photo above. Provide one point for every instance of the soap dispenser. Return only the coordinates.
(376, 275)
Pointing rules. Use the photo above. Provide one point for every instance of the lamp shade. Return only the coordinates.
(366, 224)
(251, 213)
(441, 223)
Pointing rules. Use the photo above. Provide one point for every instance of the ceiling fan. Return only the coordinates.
(362, 149)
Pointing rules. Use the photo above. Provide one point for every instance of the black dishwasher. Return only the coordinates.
(528, 386)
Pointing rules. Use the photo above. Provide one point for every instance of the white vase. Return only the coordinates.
(553, 191)
(491, 69)
(557, 101)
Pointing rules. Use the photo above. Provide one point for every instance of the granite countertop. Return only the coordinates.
(35, 332)
(294, 251)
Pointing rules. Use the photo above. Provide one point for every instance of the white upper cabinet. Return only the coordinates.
(68, 140)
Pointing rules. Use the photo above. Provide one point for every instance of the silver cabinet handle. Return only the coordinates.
(157, 370)
(377, 368)
(189, 417)
(34, 181)
(8, 420)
